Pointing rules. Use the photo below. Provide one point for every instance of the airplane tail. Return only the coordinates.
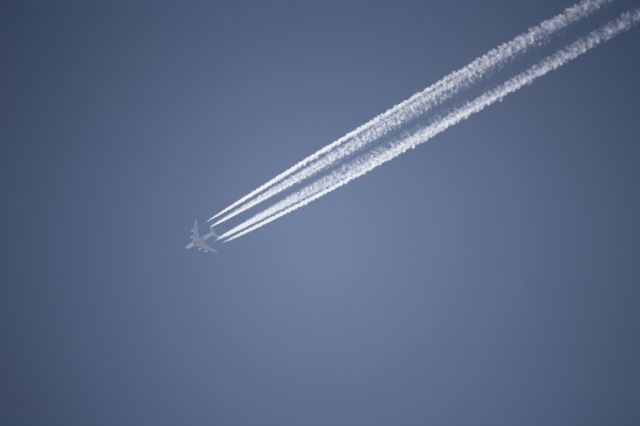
(213, 232)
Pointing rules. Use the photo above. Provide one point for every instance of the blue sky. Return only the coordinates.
(489, 277)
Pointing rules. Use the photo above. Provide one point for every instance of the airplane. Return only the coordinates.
(199, 241)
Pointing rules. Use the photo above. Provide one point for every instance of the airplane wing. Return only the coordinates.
(208, 247)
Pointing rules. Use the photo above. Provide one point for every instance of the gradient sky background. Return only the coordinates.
(489, 277)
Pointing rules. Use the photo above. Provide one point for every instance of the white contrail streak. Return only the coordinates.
(411, 108)
(381, 155)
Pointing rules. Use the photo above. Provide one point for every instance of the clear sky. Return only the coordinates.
(488, 277)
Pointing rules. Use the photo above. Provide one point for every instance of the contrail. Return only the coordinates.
(411, 108)
(381, 155)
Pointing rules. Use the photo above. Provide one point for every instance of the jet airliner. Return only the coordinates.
(198, 240)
